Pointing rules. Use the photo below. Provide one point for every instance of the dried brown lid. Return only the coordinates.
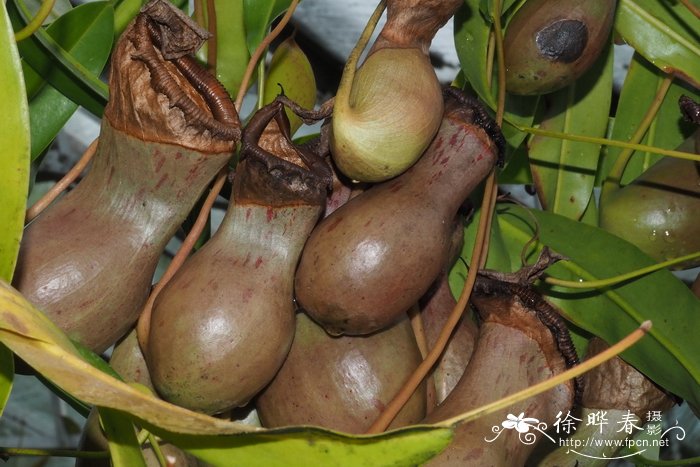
(275, 171)
(158, 92)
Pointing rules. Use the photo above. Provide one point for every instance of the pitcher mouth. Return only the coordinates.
(164, 39)
(279, 172)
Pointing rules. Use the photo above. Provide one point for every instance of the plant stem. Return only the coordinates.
(500, 57)
(261, 84)
(350, 68)
(9, 452)
(491, 188)
(157, 450)
(611, 142)
(62, 184)
(613, 179)
(36, 22)
(621, 277)
(552, 382)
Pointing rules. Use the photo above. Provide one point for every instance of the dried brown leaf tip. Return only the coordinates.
(277, 171)
(163, 93)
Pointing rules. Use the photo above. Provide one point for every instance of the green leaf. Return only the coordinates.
(668, 355)
(124, 12)
(7, 372)
(487, 7)
(14, 147)
(564, 171)
(291, 69)
(668, 130)
(59, 67)
(14, 167)
(665, 33)
(124, 448)
(28, 333)
(471, 31)
(258, 16)
(304, 446)
(85, 33)
(231, 47)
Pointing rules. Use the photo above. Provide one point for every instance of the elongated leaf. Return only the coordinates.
(7, 373)
(85, 33)
(124, 448)
(669, 354)
(298, 446)
(564, 171)
(14, 147)
(290, 68)
(30, 335)
(231, 48)
(665, 33)
(32, 80)
(63, 71)
(14, 167)
(668, 130)
(472, 31)
(258, 16)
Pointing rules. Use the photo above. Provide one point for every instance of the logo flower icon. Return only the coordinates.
(520, 423)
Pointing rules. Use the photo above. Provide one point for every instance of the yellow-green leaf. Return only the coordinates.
(124, 448)
(305, 446)
(291, 69)
(14, 167)
(24, 330)
(14, 148)
(7, 372)
(231, 46)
